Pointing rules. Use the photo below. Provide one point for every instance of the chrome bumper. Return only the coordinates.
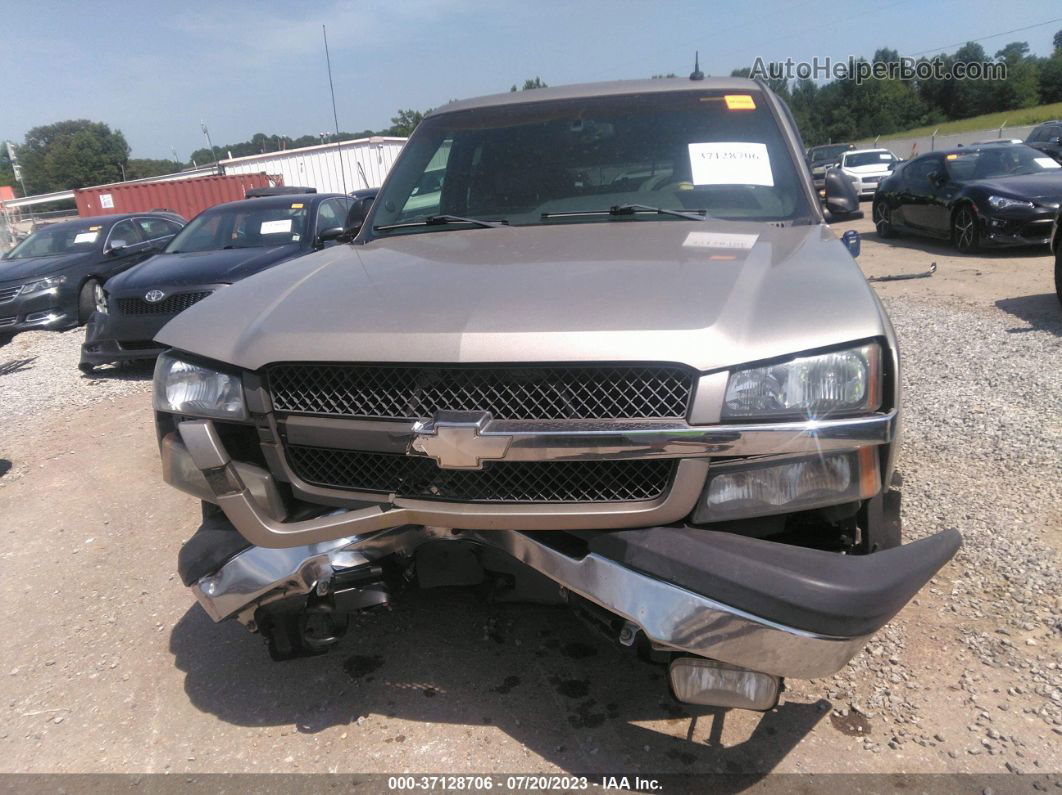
(198, 463)
(670, 616)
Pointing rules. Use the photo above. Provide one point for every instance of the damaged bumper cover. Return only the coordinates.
(761, 605)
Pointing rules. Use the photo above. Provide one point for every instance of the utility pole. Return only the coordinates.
(176, 159)
(210, 143)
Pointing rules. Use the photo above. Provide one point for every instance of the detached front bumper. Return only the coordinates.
(760, 605)
(764, 606)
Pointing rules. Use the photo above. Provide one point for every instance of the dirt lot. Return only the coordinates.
(109, 665)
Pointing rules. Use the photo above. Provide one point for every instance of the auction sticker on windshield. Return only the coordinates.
(275, 227)
(86, 237)
(1046, 162)
(731, 163)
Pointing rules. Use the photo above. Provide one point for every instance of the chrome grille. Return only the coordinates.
(8, 321)
(573, 392)
(170, 305)
(500, 481)
(9, 293)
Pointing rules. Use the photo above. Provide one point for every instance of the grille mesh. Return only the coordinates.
(170, 305)
(513, 481)
(9, 293)
(508, 393)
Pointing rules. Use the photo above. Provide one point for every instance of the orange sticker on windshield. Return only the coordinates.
(739, 102)
(297, 206)
(952, 157)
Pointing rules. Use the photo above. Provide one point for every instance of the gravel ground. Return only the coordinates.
(982, 452)
(40, 376)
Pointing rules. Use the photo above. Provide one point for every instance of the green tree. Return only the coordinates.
(1021, 88)
(1057, 41)
(72, 154)
(1051, 78)
(530, 83)
(405, 122)
(140, 167)
(7, 174)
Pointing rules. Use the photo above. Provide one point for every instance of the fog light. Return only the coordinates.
(695, 680)
(763, 489)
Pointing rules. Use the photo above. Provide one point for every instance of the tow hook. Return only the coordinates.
(305, 626)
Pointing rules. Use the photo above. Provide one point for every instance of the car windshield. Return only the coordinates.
(998, 161)
(825, 153)
(244, 226)
(551, 161)
(868, 159)
(60, 239)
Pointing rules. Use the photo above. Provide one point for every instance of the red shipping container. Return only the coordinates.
(187, 197)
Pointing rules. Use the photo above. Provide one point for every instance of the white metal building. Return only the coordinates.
(331, 168)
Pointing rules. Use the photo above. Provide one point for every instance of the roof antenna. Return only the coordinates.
(335, 116)
(697, 74)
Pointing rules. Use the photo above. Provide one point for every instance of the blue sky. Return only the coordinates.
(156, 69)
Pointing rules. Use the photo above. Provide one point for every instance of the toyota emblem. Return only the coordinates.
(154, 296)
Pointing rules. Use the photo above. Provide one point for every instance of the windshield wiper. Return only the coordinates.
(441, 220)
(632, 209)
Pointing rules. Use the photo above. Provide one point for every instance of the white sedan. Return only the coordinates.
(867, 167)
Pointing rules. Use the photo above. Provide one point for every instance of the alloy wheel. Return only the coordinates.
(965, 230)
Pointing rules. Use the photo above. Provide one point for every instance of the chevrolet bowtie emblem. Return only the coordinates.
(455, 440)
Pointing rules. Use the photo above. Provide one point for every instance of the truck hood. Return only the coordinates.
(20, 270)
(706, 294)
(200, 267)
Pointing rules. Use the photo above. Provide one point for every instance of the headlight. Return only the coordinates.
(762, 489)
(42, 284)
(1003, 203)
(841, 382)
(186, 388)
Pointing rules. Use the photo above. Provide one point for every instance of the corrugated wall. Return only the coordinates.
(353, 165)
(188, 197)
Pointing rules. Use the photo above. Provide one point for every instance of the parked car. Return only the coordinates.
(867, 167)
(1047, 137)
(219, 246)
(823, 157)
(974, 196)
(671, 405)
(51, 280)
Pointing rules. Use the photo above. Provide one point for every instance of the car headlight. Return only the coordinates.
(1004, 202)
(42, 284)
(753, 489)
(184, 387)
(839, 382)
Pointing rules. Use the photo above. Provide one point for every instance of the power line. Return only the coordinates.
(985, 38)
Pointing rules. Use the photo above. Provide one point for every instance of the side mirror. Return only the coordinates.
(331, 233)
(357, 213)
(842, 200)
(117, 247)
(936, 178)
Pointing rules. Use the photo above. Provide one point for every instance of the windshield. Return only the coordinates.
(60, 239)
(824, 153)
(246, 226)
(681, 151)
(1002, 161)
(868, 159)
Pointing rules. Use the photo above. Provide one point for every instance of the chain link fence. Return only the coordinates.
(906, 148)
(16, 226)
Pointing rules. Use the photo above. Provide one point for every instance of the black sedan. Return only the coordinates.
(219, 246)
(975, 196)
(51, 280)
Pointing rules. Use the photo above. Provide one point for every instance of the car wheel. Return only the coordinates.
(86, 301)
(964, 232)
(883, 221)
